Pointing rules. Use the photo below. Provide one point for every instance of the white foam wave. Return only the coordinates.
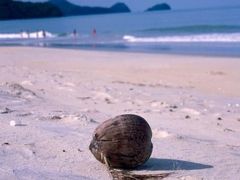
(217, 37)
(25, 35)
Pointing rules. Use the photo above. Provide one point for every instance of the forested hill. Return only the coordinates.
(68, 8)
(10, 9)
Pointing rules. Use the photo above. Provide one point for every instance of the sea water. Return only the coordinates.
(196, 31)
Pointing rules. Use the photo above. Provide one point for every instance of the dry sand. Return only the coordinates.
(58, 97)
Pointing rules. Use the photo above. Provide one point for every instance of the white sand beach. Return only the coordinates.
(51, 100)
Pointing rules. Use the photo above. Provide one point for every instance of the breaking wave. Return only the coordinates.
(214, 37)
(26, 35)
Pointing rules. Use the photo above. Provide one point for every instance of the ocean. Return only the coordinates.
(213, 31)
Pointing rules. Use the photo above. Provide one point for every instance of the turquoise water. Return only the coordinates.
(202, 31)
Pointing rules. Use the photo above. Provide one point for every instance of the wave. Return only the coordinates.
(214, 37)
(26, 35)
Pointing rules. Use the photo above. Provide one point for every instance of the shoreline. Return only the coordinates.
(167, 49)
(60, 96)
(202, 54)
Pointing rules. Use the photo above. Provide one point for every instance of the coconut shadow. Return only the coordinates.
(157, 164)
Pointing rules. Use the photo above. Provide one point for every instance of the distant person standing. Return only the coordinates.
(28, 34)
(94, 35)
(74, 34)
(94, 32)
(37, 34)
(44, 33)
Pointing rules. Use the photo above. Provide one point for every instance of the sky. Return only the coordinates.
(140, 5)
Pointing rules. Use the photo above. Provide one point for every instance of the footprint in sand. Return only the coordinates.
(20, 91)
(26, 151)
(5, 110)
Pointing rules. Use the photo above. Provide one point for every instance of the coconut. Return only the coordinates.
(122, 142)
